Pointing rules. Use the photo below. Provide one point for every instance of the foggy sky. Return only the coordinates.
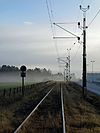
(31, 43)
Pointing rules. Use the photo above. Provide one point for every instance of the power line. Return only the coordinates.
(53, 29)
(47, 4)
(77, 48)
(94, 18)
(51, 9)
(73, 44)
(76, 53)
(55, 42)
(91, 1)
(51, 23)
(84, 1)
(81, 2)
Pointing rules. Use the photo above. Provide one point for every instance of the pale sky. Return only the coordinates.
(26, 37)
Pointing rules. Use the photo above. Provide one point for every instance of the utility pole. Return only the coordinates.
(84, 49)
(64, 74)
(67, 72)
(66, 68)
(69, 77)
(92, 70)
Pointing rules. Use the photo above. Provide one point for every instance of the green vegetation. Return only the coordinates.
(7, 85)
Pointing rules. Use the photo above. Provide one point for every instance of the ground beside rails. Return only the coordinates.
(55, 107)
(47, 118)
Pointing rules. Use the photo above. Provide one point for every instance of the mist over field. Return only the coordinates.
(30, 77)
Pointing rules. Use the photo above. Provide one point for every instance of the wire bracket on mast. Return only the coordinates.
(75, 36)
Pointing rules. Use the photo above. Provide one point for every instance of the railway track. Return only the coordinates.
(13, 110)
(52, 107)
(32, 112)
(63, 112)
(48, 115)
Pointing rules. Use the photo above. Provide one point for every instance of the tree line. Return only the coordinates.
(36, 70)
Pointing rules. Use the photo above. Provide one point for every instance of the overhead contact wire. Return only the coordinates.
(51, 23)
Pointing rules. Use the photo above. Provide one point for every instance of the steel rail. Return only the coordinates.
(62, 105)
(16, 131)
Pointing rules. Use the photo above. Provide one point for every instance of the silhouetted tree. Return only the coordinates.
(7, 68)
(37, 70)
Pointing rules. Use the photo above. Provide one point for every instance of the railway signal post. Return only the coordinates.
(23, 75)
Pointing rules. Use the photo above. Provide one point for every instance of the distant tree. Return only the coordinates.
(37, 70)
(60, 74)
(7, 68)
(30, 70)
(46, 72)
(4, 68)
(49, 71)
(13, 68)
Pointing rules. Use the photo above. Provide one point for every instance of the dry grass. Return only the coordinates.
(13, 110)
(81, 115)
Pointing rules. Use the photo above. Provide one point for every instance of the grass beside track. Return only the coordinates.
(6, 85)
(14, 109)
(81, 115)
